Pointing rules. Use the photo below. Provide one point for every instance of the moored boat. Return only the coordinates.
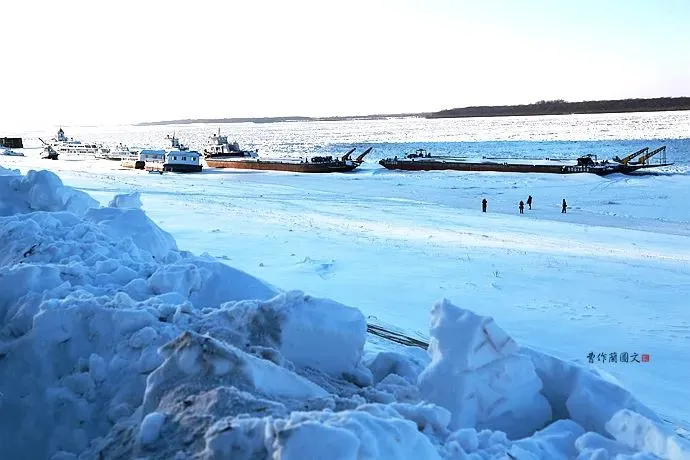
(421, 160)
(165, 160)
(10, 153)
(72, 147)
(118, 153)
(49, 153)
(317, 164)
(219, 147)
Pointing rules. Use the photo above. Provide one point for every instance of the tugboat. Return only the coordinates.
(221, 154)
(219, 147)
(175, 142)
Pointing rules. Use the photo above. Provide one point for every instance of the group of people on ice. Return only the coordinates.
(521, 205)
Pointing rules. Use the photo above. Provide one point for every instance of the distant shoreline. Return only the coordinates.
(557, 107)
(188, 121)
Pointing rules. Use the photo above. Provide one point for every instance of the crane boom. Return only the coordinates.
(626, 160)
(643, 159)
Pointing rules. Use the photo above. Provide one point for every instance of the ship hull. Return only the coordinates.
(439, 165)
(282, 166)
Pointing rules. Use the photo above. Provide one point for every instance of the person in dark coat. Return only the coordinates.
(564, 206)
(529, 201)
(521, 206)
(484, 205)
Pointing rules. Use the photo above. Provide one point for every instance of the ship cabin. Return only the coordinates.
(182, 161)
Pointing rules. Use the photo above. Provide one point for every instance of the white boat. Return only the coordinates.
(219, 147)
(10, 153)
(117, 153)
(177, 159)
(145, 158)
(73, 148)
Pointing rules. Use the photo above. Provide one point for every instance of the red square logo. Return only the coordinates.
(645, 358)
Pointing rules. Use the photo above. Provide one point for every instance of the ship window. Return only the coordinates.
(184, 158)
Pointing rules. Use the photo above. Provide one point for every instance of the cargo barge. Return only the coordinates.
(220, 153)
(421, 160)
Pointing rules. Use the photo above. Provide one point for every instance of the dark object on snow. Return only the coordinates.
(484, 205)
(521, 206)
(564, 206)
(11, 142)
(529, 201)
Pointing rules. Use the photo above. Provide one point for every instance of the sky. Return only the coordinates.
(75, 62)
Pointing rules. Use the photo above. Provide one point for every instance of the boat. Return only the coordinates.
(182, 161)
(219, 147)
(316, 164)
(164, 160)
(63, 145)
(117, 153)
(421, 160)
(49, 153)
(175, 142)
(10, 153)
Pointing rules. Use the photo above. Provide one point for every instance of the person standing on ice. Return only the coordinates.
(522, 207)
(529, 201)
(484, 205)
(564, 207)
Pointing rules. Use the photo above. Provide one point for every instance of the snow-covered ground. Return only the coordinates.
(610, 276)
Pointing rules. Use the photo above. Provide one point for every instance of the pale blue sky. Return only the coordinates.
(86, 62)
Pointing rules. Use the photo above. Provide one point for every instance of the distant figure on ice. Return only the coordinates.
(484, 205)
(564, 206)
(522, 207)
(529, 201)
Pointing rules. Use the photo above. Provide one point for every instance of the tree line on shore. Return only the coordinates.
(561, 107)
(553, 107)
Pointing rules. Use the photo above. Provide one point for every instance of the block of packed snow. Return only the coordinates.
(362, 435)
(22, 281)
(641, 433)
(477, 375)
(150, 428)
(556, 441)
(208, 283)
(135, 225)
(386, 363)
(222, 283)
(126, 200)
(193, 357)
(593, 446)
(317, 333)
(579, 393)
(351, 435)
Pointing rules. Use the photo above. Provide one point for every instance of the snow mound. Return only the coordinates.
(318, 333)
(39, 191)
(477, 374)
(126, 200)
(115, 344)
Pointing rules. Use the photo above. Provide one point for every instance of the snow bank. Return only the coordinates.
(115, 344)
(39, 191)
